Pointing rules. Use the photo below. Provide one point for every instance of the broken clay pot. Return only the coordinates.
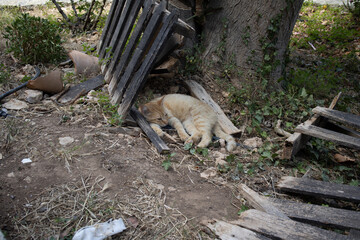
(51, 83)
(84, 64)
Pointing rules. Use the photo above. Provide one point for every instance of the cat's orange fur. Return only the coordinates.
(187, 115)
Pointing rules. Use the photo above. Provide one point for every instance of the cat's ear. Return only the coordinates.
(160, 100)
(144, 110)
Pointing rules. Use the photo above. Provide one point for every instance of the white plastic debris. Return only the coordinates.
(26, 160)
(100, 231)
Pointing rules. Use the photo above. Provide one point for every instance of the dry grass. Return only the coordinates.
(60, 211)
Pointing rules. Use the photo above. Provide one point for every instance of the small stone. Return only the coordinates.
(66, 140)
(1, 156)
(15, 104)
(171, 189)
(10, 175)
(211, 172)
(27, 179)
(33, 96)
(254, 142)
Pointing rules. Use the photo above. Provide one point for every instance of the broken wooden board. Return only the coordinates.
(199, 92)
(259, 202)
(81, 89)
(227, 231)
(319, 188)
(330, 125)
(160, 145)
(276, 227)
(338, 116)
(319, 215)
(296, 141)
(335, 137)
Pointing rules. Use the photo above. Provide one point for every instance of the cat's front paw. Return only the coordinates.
(189, 141)
(184, 137)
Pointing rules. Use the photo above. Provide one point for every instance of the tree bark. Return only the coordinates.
(252, 35)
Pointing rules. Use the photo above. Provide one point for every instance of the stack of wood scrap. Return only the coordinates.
(325, 125)
(274, 218)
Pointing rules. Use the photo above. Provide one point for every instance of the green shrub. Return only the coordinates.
(34, 40)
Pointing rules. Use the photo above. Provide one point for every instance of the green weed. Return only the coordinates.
(4, 74)
(109, 110)
(166, 164)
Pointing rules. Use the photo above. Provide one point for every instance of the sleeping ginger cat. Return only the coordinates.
(187, 115)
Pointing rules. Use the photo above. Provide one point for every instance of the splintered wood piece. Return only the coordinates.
(107, 35)
(130, 46)
(338, 116)
(259, 202)
(109, 19)
(81, 89)
(149, 61)
(319, 188)
(123, 36)
(160, 145)
(225, 230)
(280, 228)
(199, 92)
(297, 140)
(336, 137)
(319, 215)
(118, 85)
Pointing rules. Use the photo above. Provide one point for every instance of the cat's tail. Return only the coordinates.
(230, 141)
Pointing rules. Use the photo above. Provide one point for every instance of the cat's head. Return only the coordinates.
(153, 112)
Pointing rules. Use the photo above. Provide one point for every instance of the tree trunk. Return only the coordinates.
(251, 35)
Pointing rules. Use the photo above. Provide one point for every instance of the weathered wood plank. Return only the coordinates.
(109, 19)
(111, 28)
(276, 227)
(117, 89)
(319, 215)
(141, 75)
(129, 49)
(330, 125)
(296, 141)
(335, 137)
(227, 231)
(199, 92)
(354, 234)
(338, 116)
(319, 188)
(119, 26)
(123, 36)
(160, 145)
(259, 202)
(81, 89)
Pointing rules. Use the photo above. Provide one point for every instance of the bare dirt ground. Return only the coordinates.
(106, 172)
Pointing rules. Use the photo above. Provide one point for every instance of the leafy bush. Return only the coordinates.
(34, 40)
